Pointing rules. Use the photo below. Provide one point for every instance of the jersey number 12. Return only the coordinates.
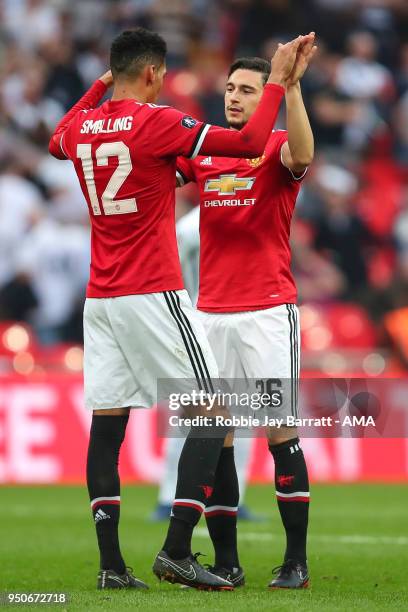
(110, 206)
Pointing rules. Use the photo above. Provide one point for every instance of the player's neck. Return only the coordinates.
(129, 91)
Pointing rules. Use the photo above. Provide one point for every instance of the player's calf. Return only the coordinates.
(292, 494)
(196, 474)
(106, 437)
(221, 513)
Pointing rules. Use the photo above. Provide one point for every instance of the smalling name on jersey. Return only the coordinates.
(107, 126)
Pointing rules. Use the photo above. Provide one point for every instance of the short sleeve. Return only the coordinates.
(184, 171)
(174, 133)
(67, 138)
(64, 144)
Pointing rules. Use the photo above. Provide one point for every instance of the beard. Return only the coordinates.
(236, 125)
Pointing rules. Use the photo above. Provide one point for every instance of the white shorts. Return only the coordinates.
(258, 344)
(132, 341)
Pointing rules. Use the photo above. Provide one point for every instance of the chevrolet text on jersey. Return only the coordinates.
(215, 203)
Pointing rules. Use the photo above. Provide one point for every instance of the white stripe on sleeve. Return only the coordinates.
(200, 141)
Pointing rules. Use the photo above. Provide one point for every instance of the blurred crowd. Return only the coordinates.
(350, 234)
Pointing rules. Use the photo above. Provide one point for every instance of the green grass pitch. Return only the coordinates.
(358, 551)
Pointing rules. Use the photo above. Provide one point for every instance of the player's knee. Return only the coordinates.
(229, 439)
(279, 436)
(112, 412)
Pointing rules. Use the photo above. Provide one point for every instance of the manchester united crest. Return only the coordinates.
(256, 161)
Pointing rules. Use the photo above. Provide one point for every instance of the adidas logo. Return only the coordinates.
(100, 515)
(206, 162)
(294, 448)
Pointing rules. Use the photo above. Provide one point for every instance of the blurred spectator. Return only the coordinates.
(31, 22)
(20, 205)
(317, 278)
(359, 75)
(339, 233)
(264, 19)
(176, 22)
(28, 107)
(55, 258)
(64, 82)
(331, 112)
(66, 201)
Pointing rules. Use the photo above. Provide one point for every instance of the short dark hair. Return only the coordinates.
(257, 64)
(134, 49)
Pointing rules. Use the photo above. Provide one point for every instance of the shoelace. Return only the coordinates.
(198, 554)
(285, 568)
(129, 572)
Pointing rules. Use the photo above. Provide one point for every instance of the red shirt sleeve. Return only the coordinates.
(57, 146)
(174, 133)
(185, 171)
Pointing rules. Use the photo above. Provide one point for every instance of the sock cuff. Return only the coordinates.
(218, 510)
(102, 501)
(227, 450)
(277, 448)
(296, 496)
(189, 503)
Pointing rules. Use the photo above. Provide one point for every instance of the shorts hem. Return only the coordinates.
(100, 295)
(238, 309)
(131, 406)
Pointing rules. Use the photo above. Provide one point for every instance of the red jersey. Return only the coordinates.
(125, 154)
(246, 207)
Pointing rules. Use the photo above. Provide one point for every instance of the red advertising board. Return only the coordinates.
(44, 429)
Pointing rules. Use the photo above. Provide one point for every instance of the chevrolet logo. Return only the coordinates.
(229, 184)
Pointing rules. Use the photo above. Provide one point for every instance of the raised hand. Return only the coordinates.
(283, 61)
(107, 78)
(305, 53)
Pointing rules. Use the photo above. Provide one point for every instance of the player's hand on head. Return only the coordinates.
(304, 56)
(107, 78)
(283, 61)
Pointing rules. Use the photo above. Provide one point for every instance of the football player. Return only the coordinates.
(247, 296)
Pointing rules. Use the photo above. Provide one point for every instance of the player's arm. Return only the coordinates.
(184, 171)
(89, 100)
(297, 153)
